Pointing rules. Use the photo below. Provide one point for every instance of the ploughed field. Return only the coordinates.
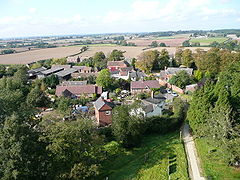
(59, 52)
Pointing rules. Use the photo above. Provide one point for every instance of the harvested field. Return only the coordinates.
(169, 42)
(36, 55)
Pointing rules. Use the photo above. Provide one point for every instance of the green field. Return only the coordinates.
(213, 165)
(150, 161)
(96, 45)
(206, 41)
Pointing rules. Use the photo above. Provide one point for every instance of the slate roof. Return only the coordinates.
(148, 108)
(52, 70)
(37, 70)
(65, 72)
(137, 74)
(79, 89)
(62, 66)
(100, 102)
(117, 63)
(66, 83)
(154, 100)
(173, 71)
(145, 84)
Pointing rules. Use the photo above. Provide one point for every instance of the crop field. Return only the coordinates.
(36, 55)
(207, 41)
(172, 42)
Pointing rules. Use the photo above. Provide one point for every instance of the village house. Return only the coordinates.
(83, 69)
(103, 111)
(166, 74)
(116, 65)
(75, 91)
(77, 83)
(143, 86)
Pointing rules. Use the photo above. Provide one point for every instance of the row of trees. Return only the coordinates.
(214, 113)
(156, 44)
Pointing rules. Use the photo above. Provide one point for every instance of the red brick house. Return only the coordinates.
(103, 112)
(116, 65)
(75, 91)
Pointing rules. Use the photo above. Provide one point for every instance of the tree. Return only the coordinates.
(75, 149)
(37, 98)
(22, 156)
(178, 56)
(60, 61)
(154, 44)
(128, 126)
(63, 105)
(116, 55)
(163, 60)
(99, 60)
(162, 45)
(186, 43)
(104, 79)
(187, 57)
(2, 71)
(198, 75)
(146, 60)
(51, 81)
(181, 79)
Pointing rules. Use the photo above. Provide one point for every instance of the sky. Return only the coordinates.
(24, 18)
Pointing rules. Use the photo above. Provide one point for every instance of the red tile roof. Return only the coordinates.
(144, 84)
(78, 90)
(117, 63)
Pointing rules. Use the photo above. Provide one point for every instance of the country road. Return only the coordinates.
(194, 169)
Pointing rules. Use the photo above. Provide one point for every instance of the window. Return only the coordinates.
(108, 112)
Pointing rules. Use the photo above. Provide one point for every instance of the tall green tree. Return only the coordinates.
(116, 55)
(128, 125)
(187, 58)
(104, 79)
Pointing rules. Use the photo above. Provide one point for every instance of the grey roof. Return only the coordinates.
(62, 66)
(114, 72)
(174, 70)
(66, 83)
(37, 70)
(154, 100)
(148, 108)
(99, 103)
(65, 72)
(137, 74)
(52, 70)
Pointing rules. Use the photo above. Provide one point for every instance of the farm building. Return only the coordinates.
(65, 74)
(34, 72)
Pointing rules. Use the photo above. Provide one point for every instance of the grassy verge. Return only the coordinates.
(150, 161)
(212, 163)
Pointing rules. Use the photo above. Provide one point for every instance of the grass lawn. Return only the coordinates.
(150, 161)
(212, 163)
(206, 41)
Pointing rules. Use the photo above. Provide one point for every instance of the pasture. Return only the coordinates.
(207, 41)
(156, 158)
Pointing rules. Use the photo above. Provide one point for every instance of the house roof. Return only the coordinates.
(126, 69)
(83, 68)
(100, 102)
(145, 84)
(117, 63)
(148, 108)
(173, 70)
(79, 89)
(154, 100)
(66, 83)
(137, 74)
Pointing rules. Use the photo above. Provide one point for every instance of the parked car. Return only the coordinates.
(174, 94)
(169, 91)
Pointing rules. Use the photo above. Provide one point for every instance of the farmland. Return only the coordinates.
(36, 55)
(207, 41)
(169, 41)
